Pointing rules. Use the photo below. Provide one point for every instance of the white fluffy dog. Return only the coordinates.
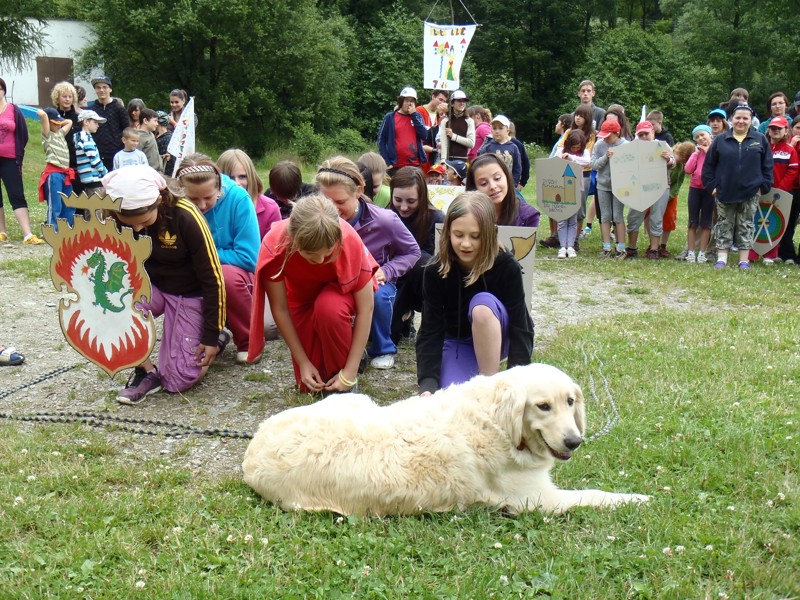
(490, 441)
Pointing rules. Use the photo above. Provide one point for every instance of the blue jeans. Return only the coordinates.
(381, 331)
(56, 209)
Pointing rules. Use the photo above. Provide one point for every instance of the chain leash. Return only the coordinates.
(612, 417)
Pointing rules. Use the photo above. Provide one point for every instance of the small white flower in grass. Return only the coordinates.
(735, 405)
(23, 451)
(213, 529)
(788, 437)
(770, 367)
(517, 537)
(498, 545)
(248, 539)
(79, 589)
(21, 471)
(441, 539)
(680, 549)
(81, 457)
(732, 508)
(722, 596)
(637, 441)
(659, 469)
(667, 551)
(366, 570)
(781, 496)
(56, 453)
(788, 422)
(622, 473)
(140, 585)
(31, 478)
(339, 520)
(503, 580)
(141, 572)
(18, 500)
(733, 348)
(587, 456)
(230, 538)
(770, 504)
(74, 478)
(176, 530)
(658, 426)
(709, 548)
(341, 563)
(264, 541)
(611, 538)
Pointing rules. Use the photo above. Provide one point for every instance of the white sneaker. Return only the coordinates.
(702, 258)
(562, 253)
(384, 361)
(571, 252)
(789, 261)
(768, 262)
(690, 257)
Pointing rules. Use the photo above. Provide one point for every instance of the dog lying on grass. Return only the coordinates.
(490, 442)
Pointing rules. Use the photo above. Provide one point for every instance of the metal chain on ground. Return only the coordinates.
(611, 418)
(107, 420)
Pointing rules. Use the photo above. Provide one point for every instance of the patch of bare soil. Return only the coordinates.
(231, 396)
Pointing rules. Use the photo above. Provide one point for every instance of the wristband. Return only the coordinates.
(345, 381)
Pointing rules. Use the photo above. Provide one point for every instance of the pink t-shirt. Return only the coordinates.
(8, 145)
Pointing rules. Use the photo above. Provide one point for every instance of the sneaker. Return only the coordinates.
(3, 236)
(744, 265)
(384, 361)
(768, 262)
(789, 261)
(621, 255)
(587, 231)
(690, 257)
(224, 339)
(631, 253)
(653, 254)
(33, 240)
(605, 253)
(702, 258)
(663, 253)
(241, 359)
(682, 254)
(571, 253)
(140, 385)
(562, 253)
(720, 264)
(551, 242)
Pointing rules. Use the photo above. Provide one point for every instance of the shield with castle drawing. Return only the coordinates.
(558, 187)
(102, 272)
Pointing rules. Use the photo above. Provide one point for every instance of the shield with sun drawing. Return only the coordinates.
(103, 272)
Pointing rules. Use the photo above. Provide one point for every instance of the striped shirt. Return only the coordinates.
(56, 151)
(90, 168)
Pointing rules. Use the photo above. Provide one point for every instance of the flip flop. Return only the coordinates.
(9, 357)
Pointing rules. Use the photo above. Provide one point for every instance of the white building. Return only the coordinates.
(63, 40)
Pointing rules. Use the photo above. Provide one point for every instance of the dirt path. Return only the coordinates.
(231, 396)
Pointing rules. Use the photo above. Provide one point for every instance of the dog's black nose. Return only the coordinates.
(573, 442)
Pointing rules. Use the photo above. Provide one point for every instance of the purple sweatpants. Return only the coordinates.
(459, 363)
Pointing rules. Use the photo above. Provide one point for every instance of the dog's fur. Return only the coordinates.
(490, 441)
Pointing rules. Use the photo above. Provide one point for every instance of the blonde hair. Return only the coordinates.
(340, 170)
(59, 88)
(313, 226)
(228, 160)
(480, 206)
(682, 151)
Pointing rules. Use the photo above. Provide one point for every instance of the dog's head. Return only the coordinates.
(542, 409)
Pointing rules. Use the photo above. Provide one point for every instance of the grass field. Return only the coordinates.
(708, 405)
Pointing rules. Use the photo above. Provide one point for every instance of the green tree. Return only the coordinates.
(257, 68)
(21, 41)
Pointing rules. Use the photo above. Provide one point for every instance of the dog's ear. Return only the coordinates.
(511, 400)
(580, 410)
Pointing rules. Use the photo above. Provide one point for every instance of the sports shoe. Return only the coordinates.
(571, 253)
(140, 385)
(551, 242)
(631, 253)
(663, 253)
(768, 262)
(241, 359)
(33, 240)
(224, 339)
(3, 236)
(690, 257)
(720, 264)
(702, 258)
(744, 265)
(605, 253)
(789, 261)
(652, 254)
(621, 255)
(587, 231)
(562, 253)
(682, 254)
(384, 361)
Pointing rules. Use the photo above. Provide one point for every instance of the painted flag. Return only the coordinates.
(445, 48)
(182, 142)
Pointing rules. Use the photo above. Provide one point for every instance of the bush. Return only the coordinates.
(308, 144)
(349, 141)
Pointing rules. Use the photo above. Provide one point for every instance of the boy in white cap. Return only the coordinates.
(90, 167)
(500, 144)
(186, 278)
(457, 130)
(403, 134)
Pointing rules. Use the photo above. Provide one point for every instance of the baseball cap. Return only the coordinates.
(137, 185)
(459, 166)
(608, 128)
(53, 116)
(717, 112)
(459, 95)
(102, 79)
(163, 118)
(644, 126)
(779, 122)
(503, 120)
(437, 169)
(408, 92)
(90, 114)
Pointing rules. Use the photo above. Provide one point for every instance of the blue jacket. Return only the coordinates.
(738, 171)
(234, 227)
(386, 138)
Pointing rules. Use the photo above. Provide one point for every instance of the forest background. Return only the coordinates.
(319, 74)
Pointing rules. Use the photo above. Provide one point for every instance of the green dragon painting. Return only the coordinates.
(107, 282)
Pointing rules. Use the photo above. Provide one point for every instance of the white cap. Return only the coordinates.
(90, 114)
(502, 119)
(408, 92)
(459, 95)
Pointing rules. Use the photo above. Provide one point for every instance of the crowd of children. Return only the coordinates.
(339, 268)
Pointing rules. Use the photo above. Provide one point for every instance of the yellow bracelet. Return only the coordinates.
(344, 380)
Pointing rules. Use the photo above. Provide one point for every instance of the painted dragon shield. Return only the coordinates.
(103, 271)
